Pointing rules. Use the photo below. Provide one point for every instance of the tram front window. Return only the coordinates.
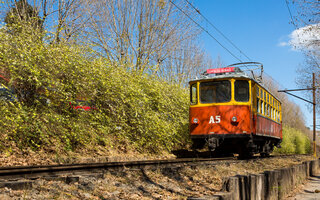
(215, 92)
(241, 90)
(193, 94)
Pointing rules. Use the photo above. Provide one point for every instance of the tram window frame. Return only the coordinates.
(270, 99)
(274, 101)
(266, 114)
(241, 90)
(215, 99)
(275, 114)
(192, 92)
(272, 113)
(267, 100)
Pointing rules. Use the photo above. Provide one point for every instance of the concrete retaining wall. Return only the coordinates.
(269, 185)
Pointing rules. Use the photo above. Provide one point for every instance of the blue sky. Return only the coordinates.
(258, 28)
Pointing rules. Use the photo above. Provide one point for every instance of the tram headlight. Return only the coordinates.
(195, 121)
(234, 119)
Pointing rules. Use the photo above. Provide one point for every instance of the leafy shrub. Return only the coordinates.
(133, 110)
(294, 142)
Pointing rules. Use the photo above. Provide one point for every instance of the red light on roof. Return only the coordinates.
(220, 70)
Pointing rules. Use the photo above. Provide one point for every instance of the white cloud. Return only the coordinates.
(306, 38)
(283, 44)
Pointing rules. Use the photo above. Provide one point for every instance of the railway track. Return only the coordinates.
(23, 177)
(38, 171)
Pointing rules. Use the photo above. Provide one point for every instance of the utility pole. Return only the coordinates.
(314, 116)
(314, 108)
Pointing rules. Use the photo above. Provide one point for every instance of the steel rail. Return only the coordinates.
(26, 171)
(18, 172)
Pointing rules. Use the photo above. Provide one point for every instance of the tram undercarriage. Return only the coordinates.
(245, 145)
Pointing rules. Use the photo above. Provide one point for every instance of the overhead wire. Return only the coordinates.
(220, 32)
(290, 13)
(205, 30)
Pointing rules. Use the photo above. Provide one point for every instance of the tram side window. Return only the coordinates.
(241, 90)
(215, 92)
(259, 100)
(193, 94)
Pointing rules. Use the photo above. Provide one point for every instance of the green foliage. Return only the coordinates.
(133, 110)
(146, 109)
(294, 142)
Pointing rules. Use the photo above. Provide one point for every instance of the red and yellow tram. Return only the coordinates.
(232, 112)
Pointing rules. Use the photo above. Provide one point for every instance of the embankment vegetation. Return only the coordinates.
(133, 110)
(294, 142)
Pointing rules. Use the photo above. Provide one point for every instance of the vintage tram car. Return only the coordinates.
(233, 113)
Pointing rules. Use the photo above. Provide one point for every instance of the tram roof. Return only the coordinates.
(232, 75)
(225, 75)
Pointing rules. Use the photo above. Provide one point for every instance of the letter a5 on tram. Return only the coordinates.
(214, 120)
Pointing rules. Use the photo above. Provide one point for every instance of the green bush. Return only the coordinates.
(134, 110)
(294, 142)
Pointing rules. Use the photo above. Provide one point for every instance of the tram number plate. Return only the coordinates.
(215, 120)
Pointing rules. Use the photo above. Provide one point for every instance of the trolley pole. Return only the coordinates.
(314, 116)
